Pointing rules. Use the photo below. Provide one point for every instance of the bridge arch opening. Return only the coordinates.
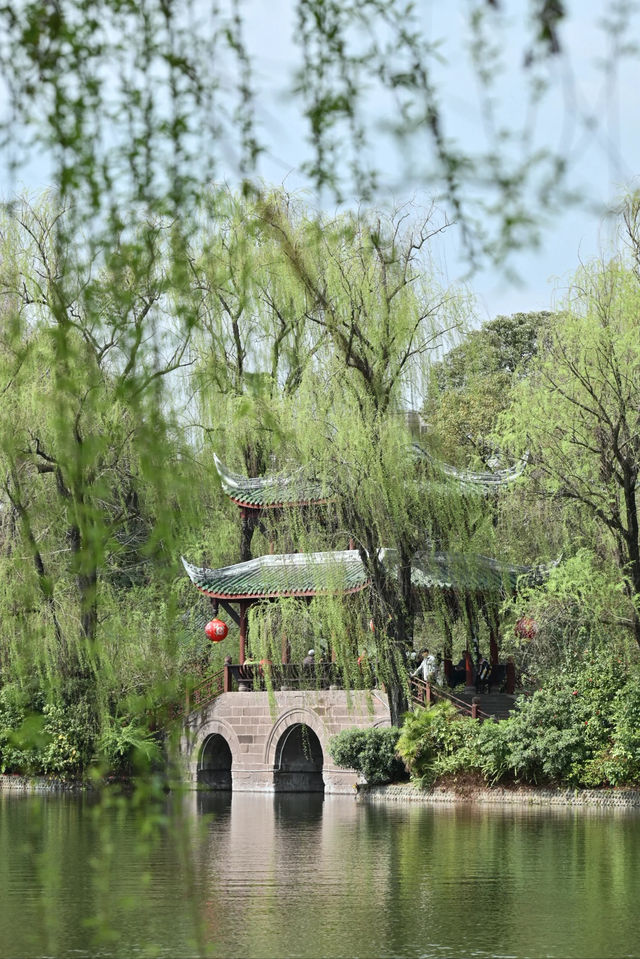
(299, 760)
(214, 767)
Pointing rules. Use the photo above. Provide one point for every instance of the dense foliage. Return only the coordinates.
(371, 752)
(579, 729)
(149, 318)
(433, 741)
(286, 324)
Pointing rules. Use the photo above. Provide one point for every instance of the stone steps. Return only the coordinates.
(499, 705)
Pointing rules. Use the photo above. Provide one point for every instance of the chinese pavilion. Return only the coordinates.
(462, 579)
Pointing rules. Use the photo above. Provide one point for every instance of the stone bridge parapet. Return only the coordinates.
(253, 726)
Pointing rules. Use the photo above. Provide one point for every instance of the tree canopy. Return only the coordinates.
(578, 410)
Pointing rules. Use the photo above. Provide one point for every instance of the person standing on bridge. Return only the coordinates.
(483, 675)
(427, 668)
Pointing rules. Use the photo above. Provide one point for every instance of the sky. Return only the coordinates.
(604, 162)
(590, 113)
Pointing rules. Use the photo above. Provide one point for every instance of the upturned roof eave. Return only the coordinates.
(244, 490)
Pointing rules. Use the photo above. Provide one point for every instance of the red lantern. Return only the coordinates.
(216, 630)
(526, 628)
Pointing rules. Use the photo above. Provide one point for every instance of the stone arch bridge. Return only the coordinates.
(253, 741)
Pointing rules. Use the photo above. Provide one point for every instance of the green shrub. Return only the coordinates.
(20, 731)
(68, 741)
(624, 762)
(618, 760)
(37, 737)
(127, 745)
(580, 728)
(492, 751)
(371, 752)
(437, 740)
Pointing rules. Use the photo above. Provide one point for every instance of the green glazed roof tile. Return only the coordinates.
(310, 574)
(471, 573)
(296, 489)
(468, 480)
(267, 492)
(287, 574)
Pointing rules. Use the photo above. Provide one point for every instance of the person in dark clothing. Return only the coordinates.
(483, 675)
(309, 660)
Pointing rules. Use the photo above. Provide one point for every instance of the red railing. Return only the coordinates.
(205, 692)
(424, 693)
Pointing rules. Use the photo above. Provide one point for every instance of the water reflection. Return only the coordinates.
(301, 875)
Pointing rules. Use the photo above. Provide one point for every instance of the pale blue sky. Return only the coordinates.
(604, 162)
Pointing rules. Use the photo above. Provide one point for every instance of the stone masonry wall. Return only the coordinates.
(491, 795)
(253, 723)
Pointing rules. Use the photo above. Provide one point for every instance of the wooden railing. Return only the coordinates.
(259, 677)
(424, 693)
(206, 691)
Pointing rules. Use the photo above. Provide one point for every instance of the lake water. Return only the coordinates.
(250, 875)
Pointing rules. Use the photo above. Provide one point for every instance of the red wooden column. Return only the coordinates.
(468, 668)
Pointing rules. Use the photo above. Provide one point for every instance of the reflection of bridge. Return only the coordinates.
(278, 742)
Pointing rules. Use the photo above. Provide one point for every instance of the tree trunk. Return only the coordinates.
(632, 539)
(248, 522)
(44, 582)
(87, 588)
(87, 583)
(398, 701)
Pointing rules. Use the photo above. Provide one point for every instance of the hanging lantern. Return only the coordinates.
(216, 630)
(372, 626)
(526, 628)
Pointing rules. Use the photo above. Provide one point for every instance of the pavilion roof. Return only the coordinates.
(471, 572)
(285, 574)
(469, 480)
(342, 571)
(272, 490)
(299, 489)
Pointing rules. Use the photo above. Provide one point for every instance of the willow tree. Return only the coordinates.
(253, 343)
(579, 411)
(86, 443)
(371, 293)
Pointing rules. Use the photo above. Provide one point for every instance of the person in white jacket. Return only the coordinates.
(427, 668)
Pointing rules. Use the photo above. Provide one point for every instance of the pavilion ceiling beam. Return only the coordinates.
(228, 608)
